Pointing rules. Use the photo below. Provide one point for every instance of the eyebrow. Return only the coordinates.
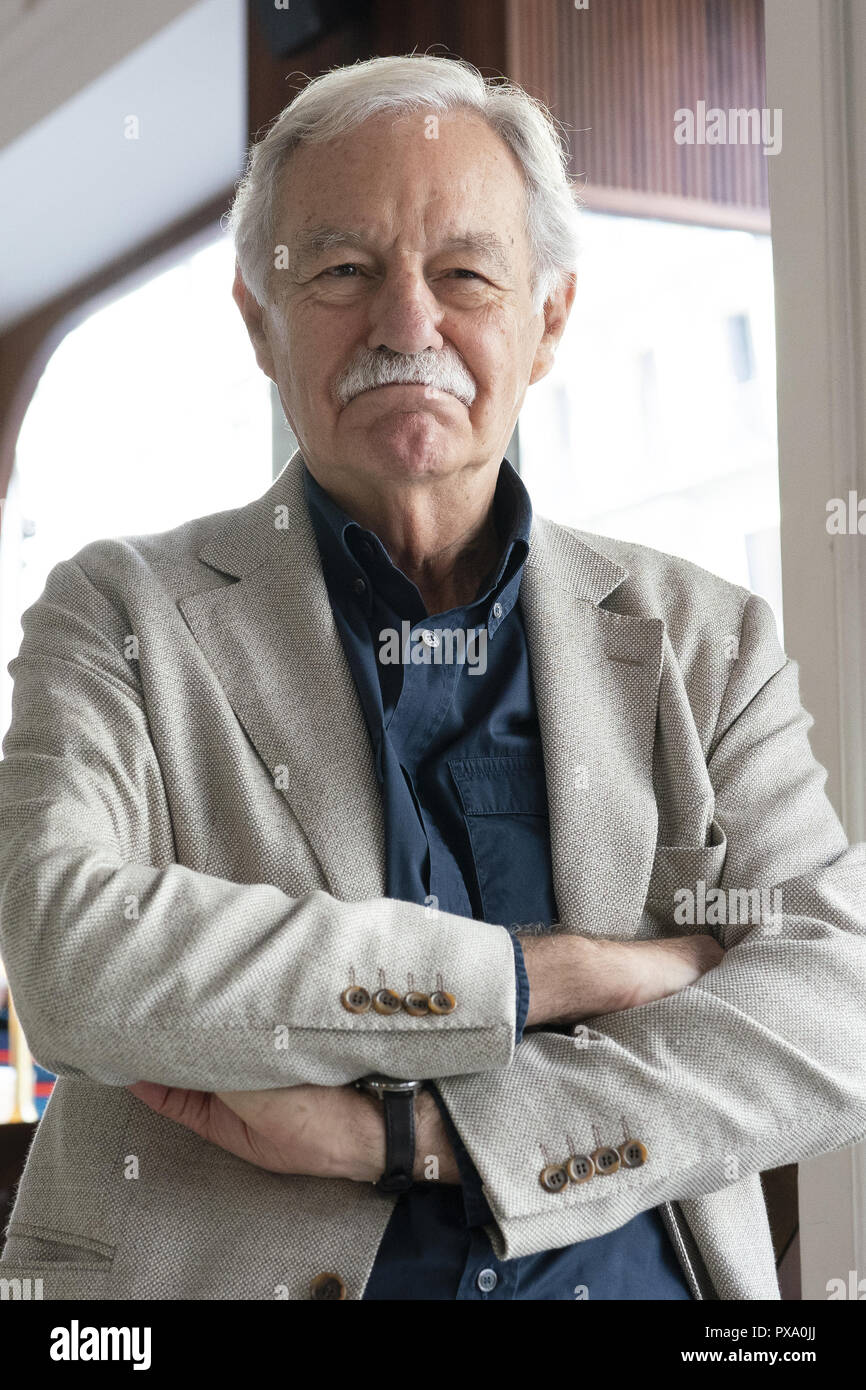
(321, 239)
(485, 244)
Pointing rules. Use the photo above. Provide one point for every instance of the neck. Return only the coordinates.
(448, 571)
(441, 534)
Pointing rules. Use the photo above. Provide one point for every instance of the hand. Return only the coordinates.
(320, 1131)
(324, 1131)
(576, 977)
(431, 1141)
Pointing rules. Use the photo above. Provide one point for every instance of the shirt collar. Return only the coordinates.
(356, 564)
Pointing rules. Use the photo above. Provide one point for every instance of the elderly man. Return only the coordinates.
(329, 822)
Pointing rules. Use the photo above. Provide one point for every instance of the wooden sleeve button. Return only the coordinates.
(355, 999)
(386, 1001)
(580, 1168)
(606, 1161)
(554, 1178)
(441, 1002)
(633, 1154)
(327, 1288)
(416, 1003)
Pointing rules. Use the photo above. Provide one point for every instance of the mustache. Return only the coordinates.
(443, 370)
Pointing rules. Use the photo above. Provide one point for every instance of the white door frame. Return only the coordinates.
(816, 76)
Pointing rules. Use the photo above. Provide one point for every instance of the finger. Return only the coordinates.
(207, 1116)
(189, 1108)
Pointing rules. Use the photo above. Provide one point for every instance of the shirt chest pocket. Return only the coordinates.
(504, 805)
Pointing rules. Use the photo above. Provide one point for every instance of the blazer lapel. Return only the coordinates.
(272, 643)
(596, 675)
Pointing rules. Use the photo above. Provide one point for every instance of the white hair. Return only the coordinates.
(343, 98)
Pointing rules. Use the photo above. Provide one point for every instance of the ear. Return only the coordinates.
(253, 316)
(556, 311)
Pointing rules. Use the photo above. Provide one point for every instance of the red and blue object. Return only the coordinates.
(44, 1079)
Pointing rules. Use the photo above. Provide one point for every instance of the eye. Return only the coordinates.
(338, 270)
(461, 270)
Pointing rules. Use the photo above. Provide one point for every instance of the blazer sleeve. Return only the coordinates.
(125, 965)
(760, 1063)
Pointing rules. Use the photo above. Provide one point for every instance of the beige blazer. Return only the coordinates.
(192, 871)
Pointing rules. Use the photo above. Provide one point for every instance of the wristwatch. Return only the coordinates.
(398, 1098)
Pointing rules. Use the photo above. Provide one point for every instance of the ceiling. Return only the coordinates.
(76, 192)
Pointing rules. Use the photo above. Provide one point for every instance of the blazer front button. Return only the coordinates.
(554, 1177)
(633, 1154)
(386, 1001)
(328, 1287)
(416, 1003)
(442, 1003)
(355, 999)
(606, 1161)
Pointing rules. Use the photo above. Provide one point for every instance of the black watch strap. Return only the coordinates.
(399, 1141)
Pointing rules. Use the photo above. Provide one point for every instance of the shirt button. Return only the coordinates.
(429, 638)
(487, 1280)
(360, 586)
(327, 1287)
(497, 610)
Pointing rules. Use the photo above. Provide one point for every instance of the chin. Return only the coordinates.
(412, 444)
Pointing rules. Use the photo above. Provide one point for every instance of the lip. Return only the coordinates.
(402, 386)
(430, 393)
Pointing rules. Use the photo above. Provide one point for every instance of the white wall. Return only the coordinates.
(90, 185)
(816, 73)
(51, 49)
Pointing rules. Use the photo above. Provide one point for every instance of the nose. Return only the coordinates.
(404, 314)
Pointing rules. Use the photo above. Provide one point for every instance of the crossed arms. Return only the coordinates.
(337, 1131)
(127, 966)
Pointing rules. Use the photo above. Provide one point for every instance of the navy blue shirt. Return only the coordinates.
(450, 709)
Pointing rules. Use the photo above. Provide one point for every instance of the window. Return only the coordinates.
(151, 412)
(657, 423)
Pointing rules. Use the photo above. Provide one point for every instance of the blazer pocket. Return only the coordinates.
(47, 1281)
(680, 870)
(55, 1250)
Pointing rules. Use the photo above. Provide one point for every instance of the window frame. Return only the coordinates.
(816, 73)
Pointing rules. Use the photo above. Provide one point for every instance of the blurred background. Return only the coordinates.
(704, 401)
